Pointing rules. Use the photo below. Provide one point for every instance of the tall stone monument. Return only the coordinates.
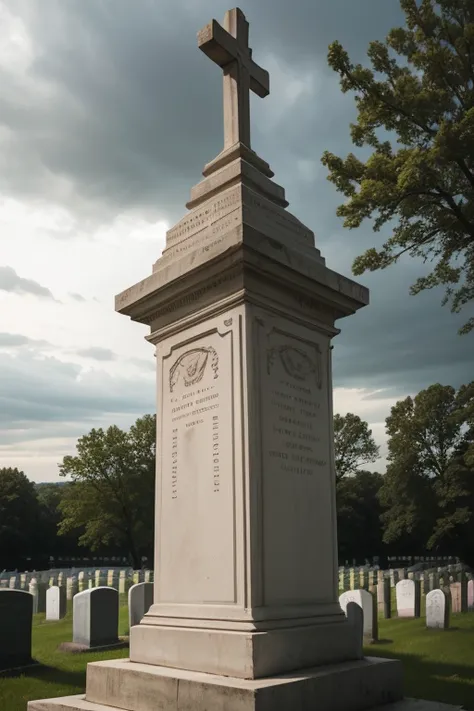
(242, 309)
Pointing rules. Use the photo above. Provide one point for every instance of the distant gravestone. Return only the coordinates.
(16, 619)
(95, 617)
(459, 597)
(72, 587)
(437, 610)
(470, 595)
(38, 591)
(384, 598)
(55, 603)
(408, 598)
(366, 602)
(140, 599)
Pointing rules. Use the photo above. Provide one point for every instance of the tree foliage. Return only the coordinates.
(359, 510)
(419, 93)
(428, 489)
(111, 498)
(18, 515)
(354, 445)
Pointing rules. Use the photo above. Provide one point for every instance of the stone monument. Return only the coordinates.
(242, 309)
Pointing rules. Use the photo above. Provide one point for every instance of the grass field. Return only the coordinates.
(439, 665)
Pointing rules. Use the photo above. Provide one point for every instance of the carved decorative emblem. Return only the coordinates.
(192, 365)
(297, 364)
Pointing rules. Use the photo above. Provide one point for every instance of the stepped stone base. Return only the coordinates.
(121, 685)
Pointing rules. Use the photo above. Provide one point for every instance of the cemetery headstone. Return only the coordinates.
(458, 593)
(38, 591)
(366, 601)
(140, 599)
(470, 595)
(437, 610)
(95, 617)
(408, 598)
(16, 619)
(55, 603)
(384, 598)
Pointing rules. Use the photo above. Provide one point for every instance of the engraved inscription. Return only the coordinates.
(204, 216)
(258, 206)
(296, 459)
(196, 473)
(294, 443)
(190, 367)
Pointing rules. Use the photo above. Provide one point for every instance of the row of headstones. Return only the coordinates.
(455, 598)
(95, 618)
(368, 579)
(122, 579)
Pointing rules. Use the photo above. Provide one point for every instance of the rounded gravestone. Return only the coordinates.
(140, 599)
(16, 619)
(437, 610)
(366, 601)
(408, 595)
(55, 603)
(95, 617)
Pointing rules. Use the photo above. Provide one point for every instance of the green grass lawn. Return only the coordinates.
(439, 665)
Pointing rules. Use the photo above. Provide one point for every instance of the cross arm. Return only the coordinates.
(222, 48)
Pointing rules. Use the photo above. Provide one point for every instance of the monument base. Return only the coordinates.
(121, 685)
(245, 655)
(128, 686)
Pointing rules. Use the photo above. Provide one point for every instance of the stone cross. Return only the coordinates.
(228, 47)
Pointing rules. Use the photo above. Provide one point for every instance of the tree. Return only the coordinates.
(18, 517)
(425, 99)
(359, 510)
(428, 489)
(354, 445)
(111, 497)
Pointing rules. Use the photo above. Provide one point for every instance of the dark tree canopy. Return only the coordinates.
(354, 445)
(19, 513)
(416, 113)
(428, 489)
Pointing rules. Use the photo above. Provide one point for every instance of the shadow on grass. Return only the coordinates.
(434, 681)
(43, 672)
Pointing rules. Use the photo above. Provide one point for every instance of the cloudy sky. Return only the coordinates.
(108, 113)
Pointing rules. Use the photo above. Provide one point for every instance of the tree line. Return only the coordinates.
(422, 504)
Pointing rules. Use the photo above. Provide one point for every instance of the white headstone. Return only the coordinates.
(55, 603)
(408, 598)
(140, 599)
(365, 600)
(95, 617)
(437, 610)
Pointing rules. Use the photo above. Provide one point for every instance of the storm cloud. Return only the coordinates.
(108, 110)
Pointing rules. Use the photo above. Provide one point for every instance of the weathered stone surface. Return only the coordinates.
(437, 609)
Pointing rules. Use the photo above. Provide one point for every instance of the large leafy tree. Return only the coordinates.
(428, 489)
(19, 514)
(354, 445)
(416, 114)
(111, 497)
(359, 529)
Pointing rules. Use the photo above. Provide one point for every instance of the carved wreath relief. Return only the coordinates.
(191, 366)
(296, 363)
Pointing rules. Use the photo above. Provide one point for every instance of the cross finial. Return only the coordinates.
(228, 47)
